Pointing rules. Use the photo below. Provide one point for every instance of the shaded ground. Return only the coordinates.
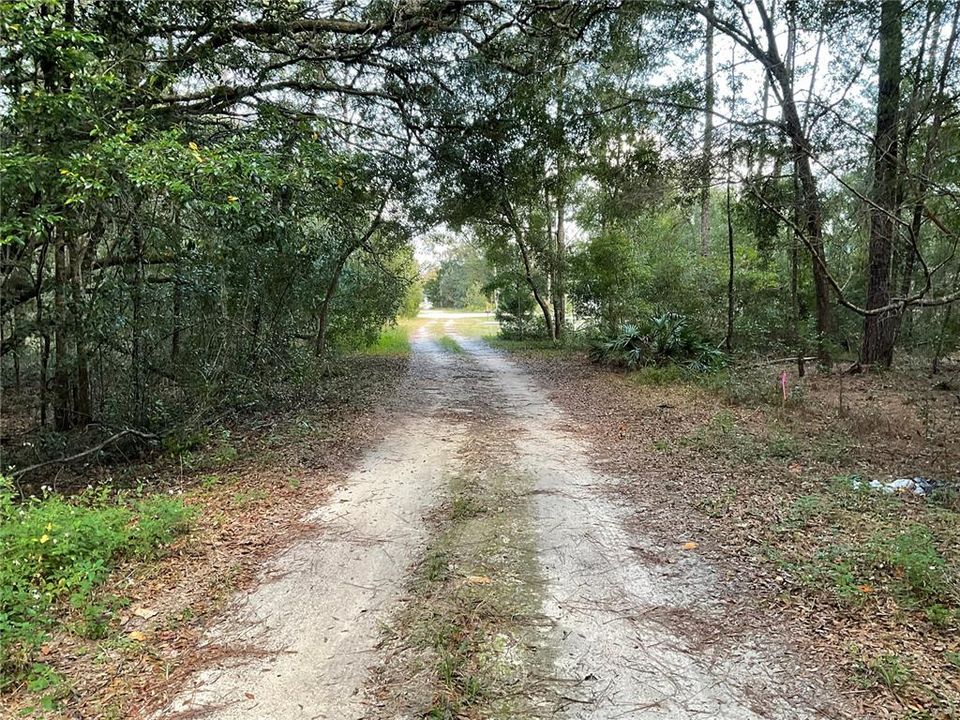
(533, 536)
(252, 483)
(530, 596)
(864, 581)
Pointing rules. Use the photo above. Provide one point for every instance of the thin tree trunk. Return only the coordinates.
(929, 154)
(559, 289)
(878, 331)
(812, 211)
(780, 75)
(136, 348)
(177, 316)
(16, 355)
(528, 268)
(62, 415)
(728, 340)
(81, 388)
(44, 350)
(323, 316)
(796, 311)
(941, 337)
(707, 140)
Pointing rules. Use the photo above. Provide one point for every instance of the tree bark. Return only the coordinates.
(941, 105)
(560, 253)
(707, 140)
(323, 316)
(879, 330)
(136, 346)
(781, 76)
(728, 340)
(528, 270)
(62, 415)
(82, 410)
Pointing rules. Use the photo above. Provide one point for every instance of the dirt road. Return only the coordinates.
(614, 634)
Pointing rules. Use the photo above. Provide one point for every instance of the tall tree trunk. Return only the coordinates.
(944, 326)
(177, 317)
(62, 414)
(320, 341)
(931, 145)
(560, 253)
(82, 409)
(136, 346)
(707, 140)
(796, 311)
(781, 76)
(813, 227)
(728, 340)
(44, 349)
(878, 330)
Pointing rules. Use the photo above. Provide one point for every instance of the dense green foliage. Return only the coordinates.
(157, 255)
(204, 199)
(55, 551)
(460, 280)
(666, 339)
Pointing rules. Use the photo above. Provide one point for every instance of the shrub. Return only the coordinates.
(55, 551)
(916, 561)
(666, 339)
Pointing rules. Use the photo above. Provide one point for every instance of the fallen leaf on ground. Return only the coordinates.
(145, 613)
(690, 546)
(137, 636)
(479, 580)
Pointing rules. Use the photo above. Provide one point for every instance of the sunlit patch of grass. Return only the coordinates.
(393, 340)
(449, 344)
(477, 326)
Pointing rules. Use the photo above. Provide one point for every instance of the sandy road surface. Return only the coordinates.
(625, 636)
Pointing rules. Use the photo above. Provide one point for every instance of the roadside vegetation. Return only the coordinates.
(726, 234)
(56, 555)
(466, 637)
(776, 491)
(106, 590)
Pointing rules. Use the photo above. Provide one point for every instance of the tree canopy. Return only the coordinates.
(199, 195)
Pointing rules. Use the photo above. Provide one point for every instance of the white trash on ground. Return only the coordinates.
(917, 485)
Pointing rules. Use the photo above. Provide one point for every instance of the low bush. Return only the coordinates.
(666, 339)
(55, 552)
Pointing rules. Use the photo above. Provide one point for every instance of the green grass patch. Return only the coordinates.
(660, 376)
(393, 340)
(249, 497)
(449, 344)
(864, 546)
(470, 615)
(478, 327)
(889, 670)
(533, 346)
(55, 553)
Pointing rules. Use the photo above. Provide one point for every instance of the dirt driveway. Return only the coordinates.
(598, 622)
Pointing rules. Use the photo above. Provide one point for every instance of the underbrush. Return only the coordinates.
(866, 544)
(393, 340)
(663, 341)
(54, 555)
